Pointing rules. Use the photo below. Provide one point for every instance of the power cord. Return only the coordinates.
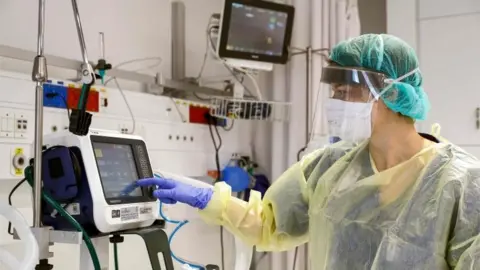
(212, 124)
(179, 224)
(49, 200)
(230, 127)
(182, 117)
(114, 79)
(295, 258)
(210, 26)
(259, 260)
(126, 103)
(234, 72)
(14, 189)
(132, 116)
(54, 95)
(158, 59)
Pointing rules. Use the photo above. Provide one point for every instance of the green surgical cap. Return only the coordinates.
(393, 57)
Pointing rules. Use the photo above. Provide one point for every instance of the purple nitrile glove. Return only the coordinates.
(170, 192)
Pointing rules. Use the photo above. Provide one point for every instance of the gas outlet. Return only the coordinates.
(19, 161)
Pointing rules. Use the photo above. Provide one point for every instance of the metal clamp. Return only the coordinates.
(87, 74)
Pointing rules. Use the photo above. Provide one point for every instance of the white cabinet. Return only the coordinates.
(446, 36)
(447, 8)
(450, 62)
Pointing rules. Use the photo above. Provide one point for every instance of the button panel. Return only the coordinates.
(142, 158)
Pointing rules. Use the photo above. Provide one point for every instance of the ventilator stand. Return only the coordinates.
(156, 243)
(309, 53)
(44, 235)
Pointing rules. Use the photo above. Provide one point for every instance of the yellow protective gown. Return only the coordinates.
(421, 214)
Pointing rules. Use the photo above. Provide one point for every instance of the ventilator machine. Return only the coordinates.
(79, 175)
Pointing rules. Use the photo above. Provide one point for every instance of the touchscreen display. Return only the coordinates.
(116, 165)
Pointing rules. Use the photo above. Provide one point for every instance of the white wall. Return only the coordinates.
(445, 34)
(133, 29)
(373, 16)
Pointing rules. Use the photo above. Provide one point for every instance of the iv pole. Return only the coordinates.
(40, 76)
(309, 53)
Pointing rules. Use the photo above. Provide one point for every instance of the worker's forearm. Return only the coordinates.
(243, 219)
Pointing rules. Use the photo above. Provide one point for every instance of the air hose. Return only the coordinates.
(179, 224)
(83, 95)
(68, 217)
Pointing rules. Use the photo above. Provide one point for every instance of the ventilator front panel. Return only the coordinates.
(120, 163)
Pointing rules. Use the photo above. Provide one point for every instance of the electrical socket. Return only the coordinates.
(7, 125)
(123, 129)
(21, 126)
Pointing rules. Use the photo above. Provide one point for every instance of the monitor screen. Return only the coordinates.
(256, 30)
(116, 165)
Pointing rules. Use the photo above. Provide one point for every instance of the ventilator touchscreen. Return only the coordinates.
(117, 168)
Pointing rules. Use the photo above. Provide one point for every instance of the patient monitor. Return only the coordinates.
(87, 174)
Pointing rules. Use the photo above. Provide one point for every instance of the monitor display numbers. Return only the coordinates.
(116, 165)
(256, 30)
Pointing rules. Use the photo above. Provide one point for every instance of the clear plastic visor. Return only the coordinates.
(353, 85)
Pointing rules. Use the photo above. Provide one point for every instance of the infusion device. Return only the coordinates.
(87, 174)
(255, 34)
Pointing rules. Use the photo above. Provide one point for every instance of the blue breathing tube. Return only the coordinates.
(179, 224)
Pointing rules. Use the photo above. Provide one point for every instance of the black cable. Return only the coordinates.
(201, 98)
(9, 230)
(295, 258)
(222, 248)
(210, 119)
(300, 152)
(54, 95)
(232, 71)
(66, 106)
(259, 260)
(212, 122)
(210, 27)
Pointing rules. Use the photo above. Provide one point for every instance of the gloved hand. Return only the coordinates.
(170, 192)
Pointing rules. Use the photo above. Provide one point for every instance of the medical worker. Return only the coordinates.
(384, 197)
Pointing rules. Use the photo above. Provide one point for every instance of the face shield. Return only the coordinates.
(349, 105)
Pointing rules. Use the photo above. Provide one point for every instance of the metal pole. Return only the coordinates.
(81, 39)
(39, 75)
(41, 27)
(309, 59)
(102, 45)
(178, 40)
(309, 56)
